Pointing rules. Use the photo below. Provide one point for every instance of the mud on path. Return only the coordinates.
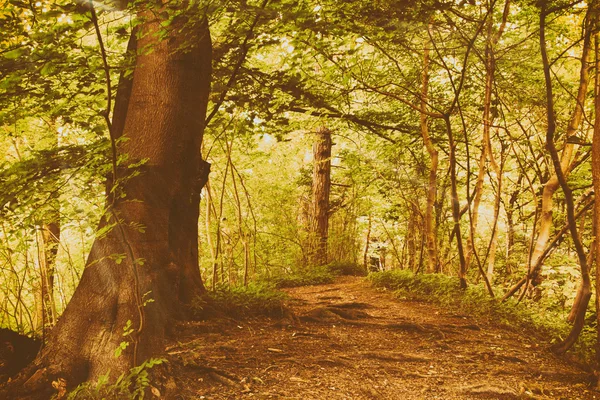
(349, 341)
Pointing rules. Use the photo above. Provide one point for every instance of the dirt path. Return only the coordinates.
(354, 342)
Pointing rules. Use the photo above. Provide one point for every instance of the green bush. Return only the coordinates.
(312, 276)
(346, 268)
(132, 385)
(243, 301)
(475, 300)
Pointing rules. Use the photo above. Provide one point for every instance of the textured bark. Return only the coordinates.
(320, 192)
(429, 223)
(156, 236)
(49, 238)
(596, 182)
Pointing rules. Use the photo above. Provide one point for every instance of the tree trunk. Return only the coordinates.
(410, 238)
(567, 343)
(550, 187)
(367, 243)
(429, 223)
(488, 119)
(462, 270)
(320, 192)
(150, 248)
(48, 239)
(596, 182)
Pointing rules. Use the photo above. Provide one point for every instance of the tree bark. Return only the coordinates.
(321, 186)
(429, 223)
(596, 182)
(49, 238)
(149, 246)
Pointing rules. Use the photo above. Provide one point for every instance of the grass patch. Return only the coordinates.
(546, 325)
(242, 301)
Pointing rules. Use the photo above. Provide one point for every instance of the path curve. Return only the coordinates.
(348, 340)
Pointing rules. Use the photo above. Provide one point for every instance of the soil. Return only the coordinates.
(348, 340)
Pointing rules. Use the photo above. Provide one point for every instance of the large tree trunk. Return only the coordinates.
(320, 191)
(150, 250)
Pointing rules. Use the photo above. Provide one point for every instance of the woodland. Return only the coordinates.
(190, 188)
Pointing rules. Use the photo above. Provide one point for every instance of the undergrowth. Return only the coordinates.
(346, 268)
(132, 385)
(320, 275)
(263, 297)
(311, 276)
(546, 325)
(242, 301)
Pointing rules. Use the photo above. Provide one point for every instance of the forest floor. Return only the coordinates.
(348, 340)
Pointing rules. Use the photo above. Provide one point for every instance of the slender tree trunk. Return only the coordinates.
(494, 240)
(429, 223)
(48, 241)
(320, 192)
(550, 187)
(462, 270)
(367, 243)
(151, 252)
(488, 119)
(596, 182)
(510, 225)
(586, 293)
(411, 246)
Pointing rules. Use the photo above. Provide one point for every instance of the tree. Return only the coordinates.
(321, 186)
(143, 266)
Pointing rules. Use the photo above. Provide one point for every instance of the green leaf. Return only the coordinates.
(16, 53)
(48, 69)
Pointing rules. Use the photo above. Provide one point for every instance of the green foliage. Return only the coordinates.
(132, 385)
(311, 276)
(544, 324)
(243, 301)
(346, 268)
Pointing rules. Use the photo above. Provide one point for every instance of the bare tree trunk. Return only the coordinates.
(411, 246)
(596, 182)
(586, 293)
(320, 192)
(550, 187)
(462, 271)
(155, 226)
(488, 119)
(429, 223)
(48, 240)
(367, 243)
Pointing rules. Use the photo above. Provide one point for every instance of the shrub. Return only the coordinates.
(132, 385)
(312, 276)
(445, 290)
(242, 301)
(346, 268)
